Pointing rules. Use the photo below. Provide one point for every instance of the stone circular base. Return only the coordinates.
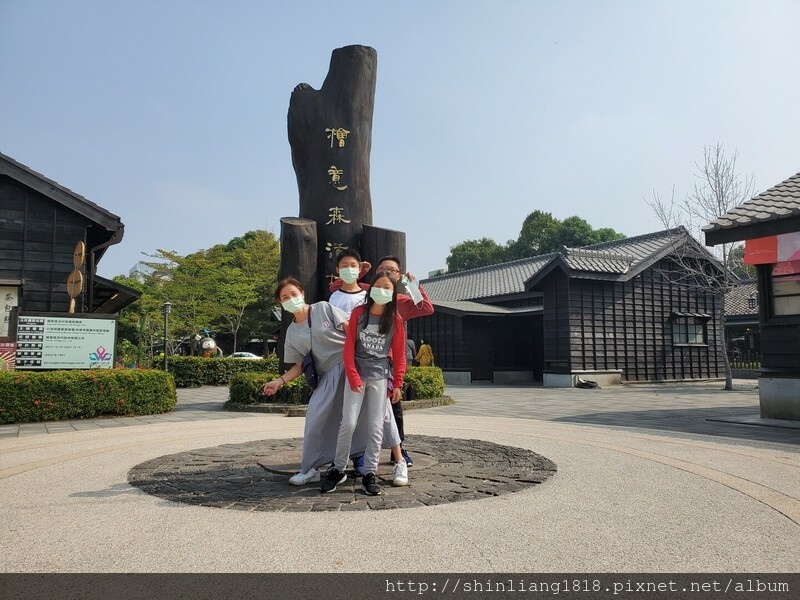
(254, 476)
(287, 463)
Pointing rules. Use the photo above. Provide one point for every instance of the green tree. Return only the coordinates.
(227, 288)
(738, 266)
(540, 234)
(472, 254)
(258, 256)
(537, 236)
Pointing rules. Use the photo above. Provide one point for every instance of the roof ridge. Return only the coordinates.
(591, 253)
(15, 163)
(638, 238)
(494, 266)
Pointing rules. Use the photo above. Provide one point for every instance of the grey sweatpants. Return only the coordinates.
(324, 416)
(367, 407)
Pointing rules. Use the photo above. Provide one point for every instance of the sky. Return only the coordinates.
(172, 114)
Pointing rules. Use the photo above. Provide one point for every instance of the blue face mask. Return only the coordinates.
(349, 274)
(381, 295)
(293, 304)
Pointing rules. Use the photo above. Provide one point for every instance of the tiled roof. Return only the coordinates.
(642, 248)
(597, 261)
(742, 300)
(466, 306)
(615, 258)
(778, 202)
(494, 280)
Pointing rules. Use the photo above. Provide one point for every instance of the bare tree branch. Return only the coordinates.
(718, 189)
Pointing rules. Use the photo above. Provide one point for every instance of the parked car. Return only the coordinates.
(245, 355)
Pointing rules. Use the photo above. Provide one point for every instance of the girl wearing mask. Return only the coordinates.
(324, 337)
(374, 332)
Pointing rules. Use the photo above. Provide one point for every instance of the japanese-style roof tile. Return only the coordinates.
(779, 201)
(616, 258)
(742, 299)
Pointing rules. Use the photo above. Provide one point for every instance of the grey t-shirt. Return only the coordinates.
(326, 333)
(372, 349)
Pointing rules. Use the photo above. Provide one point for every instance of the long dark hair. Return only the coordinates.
(387, 318)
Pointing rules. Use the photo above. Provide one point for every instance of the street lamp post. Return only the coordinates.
(166, 308)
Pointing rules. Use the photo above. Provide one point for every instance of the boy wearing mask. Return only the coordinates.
(350, 295)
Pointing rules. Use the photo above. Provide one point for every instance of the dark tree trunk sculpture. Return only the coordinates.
(330, 134)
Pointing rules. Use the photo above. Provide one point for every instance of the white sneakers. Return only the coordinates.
(400, 474)
(310, 476)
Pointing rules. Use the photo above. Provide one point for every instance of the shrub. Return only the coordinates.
(427, 381)
(56, 395)
(245, 388)
(196, 371)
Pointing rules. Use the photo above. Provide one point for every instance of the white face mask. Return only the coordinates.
(381, 295)
(349, 274)
(293, 304)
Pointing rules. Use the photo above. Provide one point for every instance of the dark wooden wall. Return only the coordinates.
(444, 332)
(37, 238)
(628, 326)
(780, 335)
(509, 343)
(556, 323)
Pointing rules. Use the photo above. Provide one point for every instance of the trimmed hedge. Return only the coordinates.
(428, 382)
(245, 388)
(196, 371)
(27, 397)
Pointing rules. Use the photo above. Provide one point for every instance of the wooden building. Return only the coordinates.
(742, 331)
(609, 312)
(41, 223)
(770, 225)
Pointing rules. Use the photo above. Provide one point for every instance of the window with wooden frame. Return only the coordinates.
(690, 329)
(786, 288)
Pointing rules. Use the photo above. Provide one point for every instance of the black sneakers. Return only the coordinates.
(369, 486)
(332, 479)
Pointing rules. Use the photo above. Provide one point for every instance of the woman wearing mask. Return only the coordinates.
(319, 329)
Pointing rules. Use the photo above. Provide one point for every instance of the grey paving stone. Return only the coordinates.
(230, 476)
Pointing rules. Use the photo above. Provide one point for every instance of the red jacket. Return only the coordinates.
(397, 352)
(405, 305)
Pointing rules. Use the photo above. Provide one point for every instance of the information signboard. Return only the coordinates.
(65, 341)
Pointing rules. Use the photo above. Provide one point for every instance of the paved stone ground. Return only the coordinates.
(230, 476)
(651, 478)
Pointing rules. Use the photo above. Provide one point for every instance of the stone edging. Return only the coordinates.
(299, 410)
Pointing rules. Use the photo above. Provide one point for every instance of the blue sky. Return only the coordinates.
(172, 114)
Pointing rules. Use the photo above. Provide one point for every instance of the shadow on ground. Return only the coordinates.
(723, 421)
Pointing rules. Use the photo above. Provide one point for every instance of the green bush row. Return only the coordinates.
(196, 371)
(245, 388)
(27, 397)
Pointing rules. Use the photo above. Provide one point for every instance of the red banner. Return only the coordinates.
(761, 251)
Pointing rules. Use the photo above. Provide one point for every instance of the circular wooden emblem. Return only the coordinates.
(79, 254)
(74, 283)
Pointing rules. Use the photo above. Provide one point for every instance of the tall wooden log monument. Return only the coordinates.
(330, 134)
